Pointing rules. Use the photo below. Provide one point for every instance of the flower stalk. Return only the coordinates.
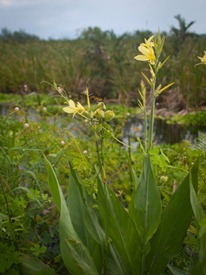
(96, 118)
(150, 52)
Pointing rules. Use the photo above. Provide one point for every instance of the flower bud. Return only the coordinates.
(109, 115)
(101, 106)
(99, 114)
(96, 128)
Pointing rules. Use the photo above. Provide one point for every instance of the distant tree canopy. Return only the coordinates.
(95, 34)
(182, 32)
(17, 36)
(102, 60)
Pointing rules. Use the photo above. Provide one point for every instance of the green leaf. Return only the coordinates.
(75, 255)
(53, 185)
(82, 210)
(173, 227)
(82, 261)
(200, 267)
(29, 192)
(133, 176)
(196, 207)
(86, 219)
(145, 206)
(176, 271)
(119, 228)
(9, 257)
(33, 266)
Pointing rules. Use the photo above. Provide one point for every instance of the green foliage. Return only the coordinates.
(9, 258)
(182, 32)
(75, 255)
(17, 36)
(120, 210)
(144, 236)
(25, 206)
(200, 216)
(82, 235)
(198, 119)
(103, 61)
(34, 218)
(201, 142)
(145, 206)
(34, 266)
(175, 221)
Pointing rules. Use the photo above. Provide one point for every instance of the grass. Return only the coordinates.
(28, 216)
(104, 62)
(33, 126)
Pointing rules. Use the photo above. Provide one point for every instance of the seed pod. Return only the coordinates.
(101, 106)
(99, 114)
(109, 115)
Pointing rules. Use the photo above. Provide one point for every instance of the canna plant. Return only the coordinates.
(98, 234)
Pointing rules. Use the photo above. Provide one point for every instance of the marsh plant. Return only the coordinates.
(101, 235)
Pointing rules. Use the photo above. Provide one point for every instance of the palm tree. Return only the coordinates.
(182, 31)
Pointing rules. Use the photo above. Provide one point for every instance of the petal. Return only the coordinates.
(72, 104)
(149, 41)
(80, 107)
(143, 50)
(141, 58)
(69, 110)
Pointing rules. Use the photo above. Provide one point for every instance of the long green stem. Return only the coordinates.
(99, 142)
(151, 120)
(100, 155)
(145, 126)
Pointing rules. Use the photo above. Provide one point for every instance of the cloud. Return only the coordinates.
(15, 3)
(58, 18)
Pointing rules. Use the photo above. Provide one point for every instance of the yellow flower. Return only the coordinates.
(147, 51)
(74, 109)
(203, 59)
(148, 42)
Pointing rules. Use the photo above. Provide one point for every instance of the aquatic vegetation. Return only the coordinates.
(98, 234)
(114, 208)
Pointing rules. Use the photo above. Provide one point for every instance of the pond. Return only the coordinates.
(164, 133)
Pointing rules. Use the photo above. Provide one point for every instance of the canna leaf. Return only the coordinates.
(176, 271)
(145, 207)
(200, 267)
(75, 255)
(85, 219)
(82, 210)
(34, 266)
(175, 221)
(119, 228)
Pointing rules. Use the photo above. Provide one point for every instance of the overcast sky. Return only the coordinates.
(67, 18)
